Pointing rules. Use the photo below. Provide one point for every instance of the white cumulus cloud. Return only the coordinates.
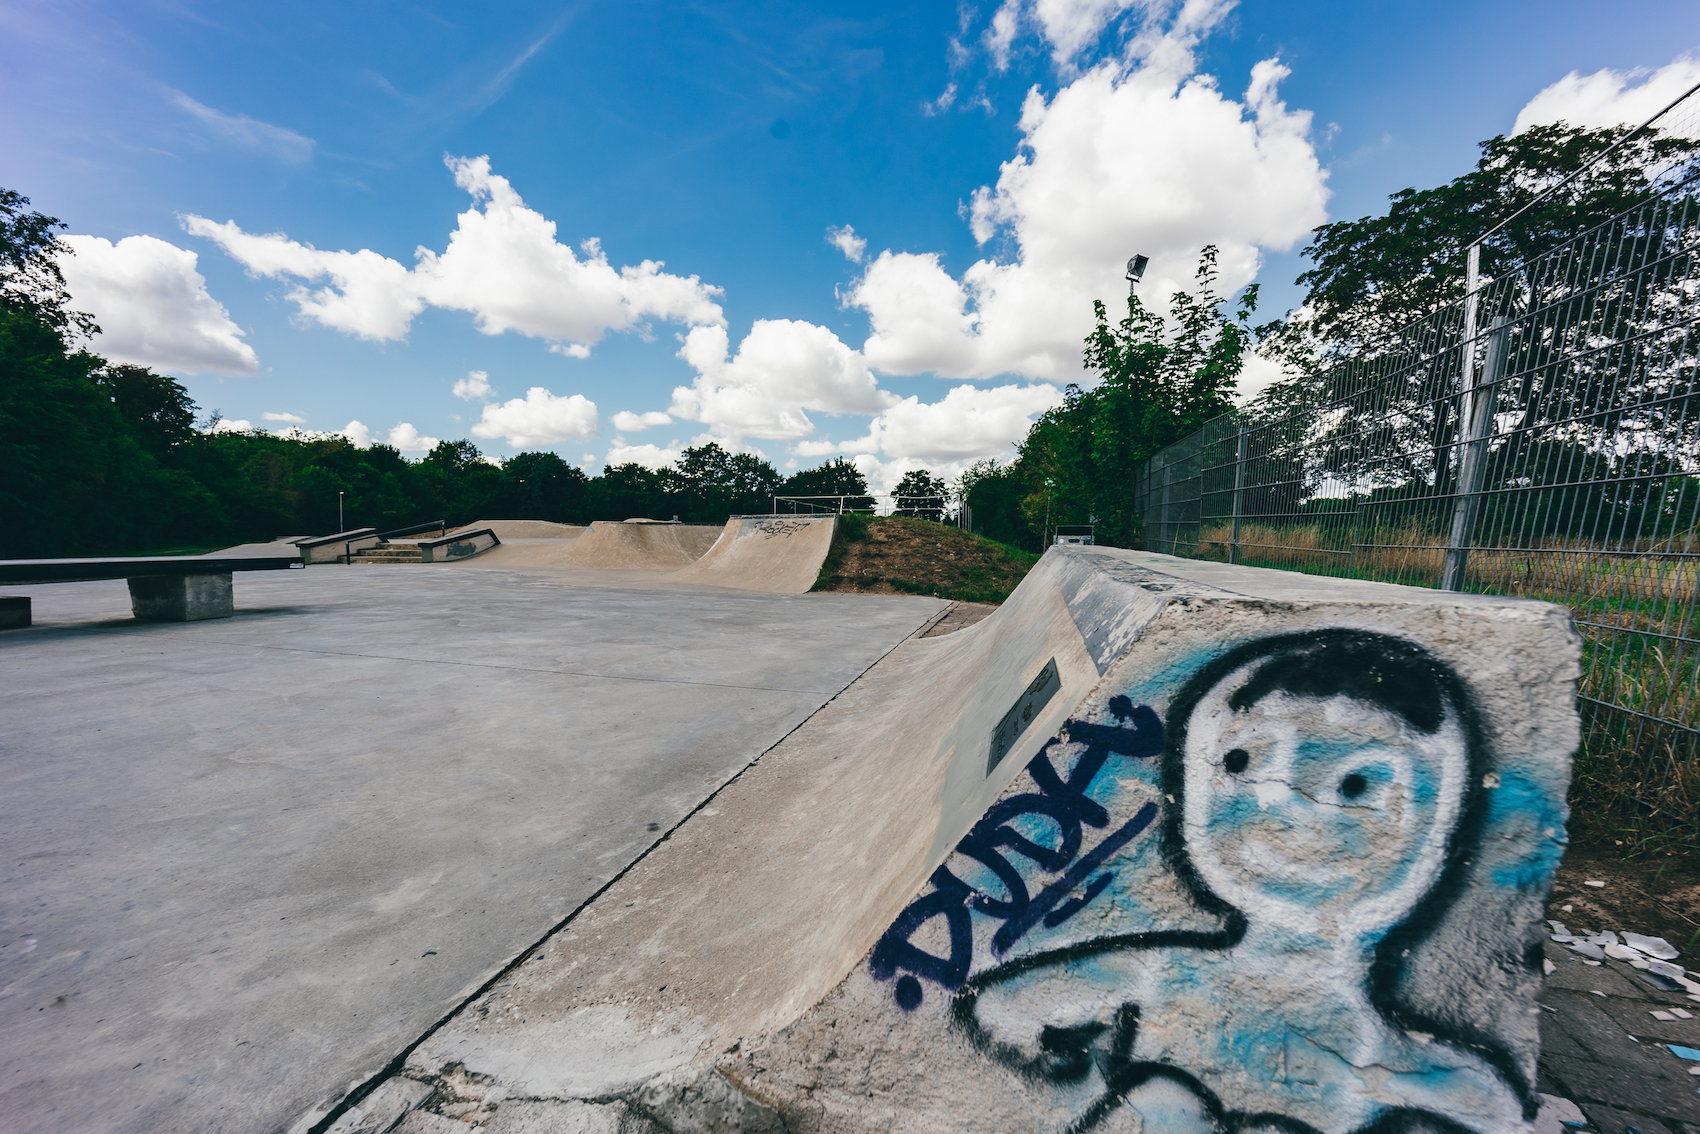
(783, 368)
(291, 418)
(971, 423)
(153, 307)
(1139, 154)
(403, 436)
(627, 422)
(846, 241)
(502, 264)
(475, 385)
(410, 440)
(649, 456)
(539, 419)
(226, 425)
(1611, 98)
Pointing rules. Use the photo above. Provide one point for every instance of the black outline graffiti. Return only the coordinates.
(1064, 802)
(1068, 1055)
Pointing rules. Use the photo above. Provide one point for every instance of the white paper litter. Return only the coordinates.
(1656, 947)
(1661, 1015)
(1666, 969)
(1550, 967)
(1595, 883)
(1623, 952)
(1681, 1014)
(1588, 949)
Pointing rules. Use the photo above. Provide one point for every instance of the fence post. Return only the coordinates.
(1239, 491)
(1475, 424)
(1163, 508)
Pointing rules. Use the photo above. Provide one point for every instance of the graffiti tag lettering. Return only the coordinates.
(1066, 804)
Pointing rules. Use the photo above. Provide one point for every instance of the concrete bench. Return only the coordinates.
(163, 588)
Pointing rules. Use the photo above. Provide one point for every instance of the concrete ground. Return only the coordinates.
(1602, 1047)
(247, 862)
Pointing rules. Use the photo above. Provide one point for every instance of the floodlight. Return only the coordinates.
(1136, 269)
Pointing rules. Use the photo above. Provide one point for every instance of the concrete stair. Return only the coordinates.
(389, 553)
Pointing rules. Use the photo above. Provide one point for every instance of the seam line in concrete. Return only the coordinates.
(395, 1066)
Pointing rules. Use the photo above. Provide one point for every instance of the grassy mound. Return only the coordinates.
(887, 555)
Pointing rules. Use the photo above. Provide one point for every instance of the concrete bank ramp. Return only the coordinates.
(779, 555)
(524, 529)
(1162, 845)
(640, 545)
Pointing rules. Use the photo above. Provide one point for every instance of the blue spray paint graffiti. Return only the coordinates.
(1066, 804)
(1325, 798)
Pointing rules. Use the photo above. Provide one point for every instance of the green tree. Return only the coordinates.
(838, 477)
(542, 486)
(1159, 379)
(915, 495)
(30, 280)
(1377, 274)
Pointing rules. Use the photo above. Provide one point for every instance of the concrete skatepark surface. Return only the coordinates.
(248, 862)
(731, 979)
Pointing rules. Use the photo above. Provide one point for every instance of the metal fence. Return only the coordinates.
(1540, 437)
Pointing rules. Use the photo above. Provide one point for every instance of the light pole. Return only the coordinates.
(1135, 270)
(340, 526)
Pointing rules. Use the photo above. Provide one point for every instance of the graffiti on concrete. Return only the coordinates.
(1044, 825)
(771, 528)
(1314, 804)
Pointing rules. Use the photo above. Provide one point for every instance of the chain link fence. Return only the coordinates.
(1539, 437)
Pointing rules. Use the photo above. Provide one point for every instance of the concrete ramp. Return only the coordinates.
(1162, 845)
(640, 546)
(524, 529)
(779, 555)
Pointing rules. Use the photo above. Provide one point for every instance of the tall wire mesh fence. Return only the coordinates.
(1539, 437)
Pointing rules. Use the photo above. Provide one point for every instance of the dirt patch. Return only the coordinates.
(1659, 897)
(899, 555)
(959, 616)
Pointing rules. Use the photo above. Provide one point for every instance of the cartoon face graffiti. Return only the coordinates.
(1321, 788)
(1319, 799)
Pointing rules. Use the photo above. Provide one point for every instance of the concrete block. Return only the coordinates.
(182, 598)
(1287, 859)
(1273, 856)
(460, 545)
(14, 612)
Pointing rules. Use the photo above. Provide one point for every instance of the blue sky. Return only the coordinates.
(250, 143)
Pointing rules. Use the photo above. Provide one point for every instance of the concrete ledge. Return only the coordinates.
(14, 612)
(460, 545)
(182, 598)
(1255, 852)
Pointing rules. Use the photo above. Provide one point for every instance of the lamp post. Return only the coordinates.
(340, 526)
(1136, 270)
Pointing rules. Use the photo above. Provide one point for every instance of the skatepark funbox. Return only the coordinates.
(1162, 845)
